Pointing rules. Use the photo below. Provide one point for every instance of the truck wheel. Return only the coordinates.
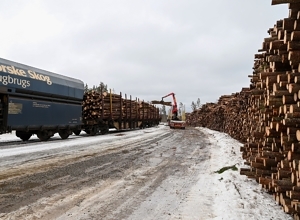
(77, 132)
(104, 131)
(43, 135)
(64, 134)
(93, 131)
(24, 136)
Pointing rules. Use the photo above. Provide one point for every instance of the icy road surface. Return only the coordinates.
(154, 173)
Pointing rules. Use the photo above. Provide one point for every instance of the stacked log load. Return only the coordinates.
(267, 120)
(112, 106)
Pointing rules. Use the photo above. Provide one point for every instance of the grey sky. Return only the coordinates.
(147, 49)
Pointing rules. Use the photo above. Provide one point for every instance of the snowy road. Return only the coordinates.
(155, 173)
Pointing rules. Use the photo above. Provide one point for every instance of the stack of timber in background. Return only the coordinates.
(112, 106)
(228, 115)
(271, 115)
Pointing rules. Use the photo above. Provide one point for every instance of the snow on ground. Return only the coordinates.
(228, 195)
(235, 196)
(79, 140)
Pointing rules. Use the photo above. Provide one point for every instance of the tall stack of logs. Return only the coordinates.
(112, 106)
(272, 151)
(270, 119)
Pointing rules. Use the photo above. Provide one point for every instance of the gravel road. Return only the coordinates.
(119, 176)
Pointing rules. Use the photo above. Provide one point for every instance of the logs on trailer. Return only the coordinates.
(266, 116)
(112, 106)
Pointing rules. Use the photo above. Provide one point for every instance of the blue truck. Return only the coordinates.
(35, 101)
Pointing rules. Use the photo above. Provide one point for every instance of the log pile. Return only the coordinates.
(106, 106)
(272, 152)
(146, 110)
(227, 115)
(269, 116)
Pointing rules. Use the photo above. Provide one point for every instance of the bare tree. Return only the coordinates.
(198, 103)
(194, 106)
(163, 110)
(86, 87)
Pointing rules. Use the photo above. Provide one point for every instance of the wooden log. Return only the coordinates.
(258, 165)
(285, 146)
(295, 6)
(289, 209)
(247, 172)
(295, 36)
(288, 24)
(272, 133)
(294, 195)
(273, 101)
(296, 147)
(293, 87)
(282, 174)
(291, 122)
(276, 182)
(293, 45)
(294, 178)
(292, 138)
(281, 127)
(287, 36)
(295, 164)
(293, 156)
(294, 108)
(296, 26)
(291, 130)
(284, 164)
(264, 180)
(283, 189)
(298, 135)
(261, 172)
(280, 93)
(270, 162)
(288, 99)
(274, 155)
(296, 188)
(283, 84)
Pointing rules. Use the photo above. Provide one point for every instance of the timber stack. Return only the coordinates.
(267, 117)
(228, 115)
(106, 106)
(272, 152)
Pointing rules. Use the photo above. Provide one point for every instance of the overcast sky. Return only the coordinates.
(144, 48)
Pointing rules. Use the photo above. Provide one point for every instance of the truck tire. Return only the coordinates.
(104, 131)
(24, 136)
(77, 132)
(64, 134)
(43, 135)
(93, 131)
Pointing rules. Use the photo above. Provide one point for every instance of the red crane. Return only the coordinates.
(174, 122)
(174, 107)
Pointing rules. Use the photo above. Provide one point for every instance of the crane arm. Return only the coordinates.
(171, 94)
(174, 110)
